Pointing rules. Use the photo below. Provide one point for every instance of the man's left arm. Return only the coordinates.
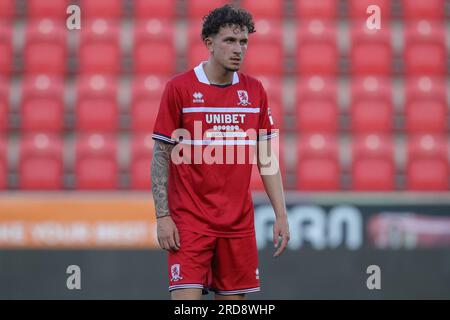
(269, 170)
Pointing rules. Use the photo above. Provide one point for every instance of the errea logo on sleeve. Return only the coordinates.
(198, 97)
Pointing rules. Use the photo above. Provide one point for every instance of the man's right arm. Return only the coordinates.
(168, 236)
(160, 177)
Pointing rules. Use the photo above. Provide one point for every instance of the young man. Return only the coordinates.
(205, 217)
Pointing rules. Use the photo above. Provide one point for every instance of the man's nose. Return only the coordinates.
(237, 49)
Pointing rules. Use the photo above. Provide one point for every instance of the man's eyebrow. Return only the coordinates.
(234, 38)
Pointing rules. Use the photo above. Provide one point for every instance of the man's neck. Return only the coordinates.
(217, 74)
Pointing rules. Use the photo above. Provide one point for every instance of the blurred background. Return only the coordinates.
(364, 144)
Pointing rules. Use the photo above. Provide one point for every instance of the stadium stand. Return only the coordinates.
(45, 48)
(96, 164)
(331, 83)
(41, 164)
(144, 9)
(6, 48)
(42, 107)
(99, 49)
(373, 165)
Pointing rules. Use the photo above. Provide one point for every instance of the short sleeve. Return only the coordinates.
(266, 125)
(169, 118)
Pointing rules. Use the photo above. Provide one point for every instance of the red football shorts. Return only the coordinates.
(226, 266)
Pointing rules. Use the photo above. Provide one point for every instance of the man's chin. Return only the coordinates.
(232, 69)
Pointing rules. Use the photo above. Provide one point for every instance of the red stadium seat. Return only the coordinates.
(146, 97)
(99, 50)
(273, 87)
(7, 9)
(317, 51)
(96, 162)
(373, 165)
(196, 49)
(197, 9)
(4, 105)
(371, 51)
(55, 9)
(6, 49)
(42, 107)
(265, 52)
(264, 8)
(45, 48)
(427, 167)
(313, 9)
(141, 157)
(371, 107)
(3, 163)
(256, 182)
(154, 50)
(111, 9)
(144, 9)
(430, 9)
(426, 108)
(317, 108)
(425, 39)
(358, 9)
(318, 165)
(41, 162)
(97, 104)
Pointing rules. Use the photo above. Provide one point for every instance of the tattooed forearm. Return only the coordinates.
(160, 177)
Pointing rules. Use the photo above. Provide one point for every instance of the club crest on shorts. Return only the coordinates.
(175, 270)
(243, 98)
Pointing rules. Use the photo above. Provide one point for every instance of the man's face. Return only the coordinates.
(229, 46)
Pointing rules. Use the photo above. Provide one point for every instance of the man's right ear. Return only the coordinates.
(209, 44)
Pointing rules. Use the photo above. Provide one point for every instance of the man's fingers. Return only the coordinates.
(283, 246)
(172, 244)
(177, 239)
(276, 235)
(164, 245)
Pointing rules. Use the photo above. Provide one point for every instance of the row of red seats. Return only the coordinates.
(373, 165)
(99, 51)
(371, 107)
(97, 105)
(411, 9)
(41, 164)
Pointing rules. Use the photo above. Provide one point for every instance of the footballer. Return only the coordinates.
(204, 209)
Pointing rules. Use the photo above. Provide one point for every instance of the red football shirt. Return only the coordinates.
(215, 130)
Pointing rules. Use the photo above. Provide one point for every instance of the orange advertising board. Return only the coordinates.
(63, 221)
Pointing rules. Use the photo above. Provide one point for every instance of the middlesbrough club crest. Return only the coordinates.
(175, 271)
(243, 98)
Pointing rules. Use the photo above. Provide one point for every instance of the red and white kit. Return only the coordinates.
(210, 203)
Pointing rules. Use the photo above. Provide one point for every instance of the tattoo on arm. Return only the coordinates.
(160, 177)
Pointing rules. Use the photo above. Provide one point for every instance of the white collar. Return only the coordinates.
(201, 75)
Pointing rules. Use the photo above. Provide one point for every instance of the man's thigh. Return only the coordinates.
(189, 267)
(235, 266)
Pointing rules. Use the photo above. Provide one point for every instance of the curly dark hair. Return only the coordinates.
(224, 16)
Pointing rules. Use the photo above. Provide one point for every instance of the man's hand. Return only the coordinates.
(168, 236)
(280, 228)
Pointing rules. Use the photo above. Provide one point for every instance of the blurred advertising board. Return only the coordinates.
(128, 222)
